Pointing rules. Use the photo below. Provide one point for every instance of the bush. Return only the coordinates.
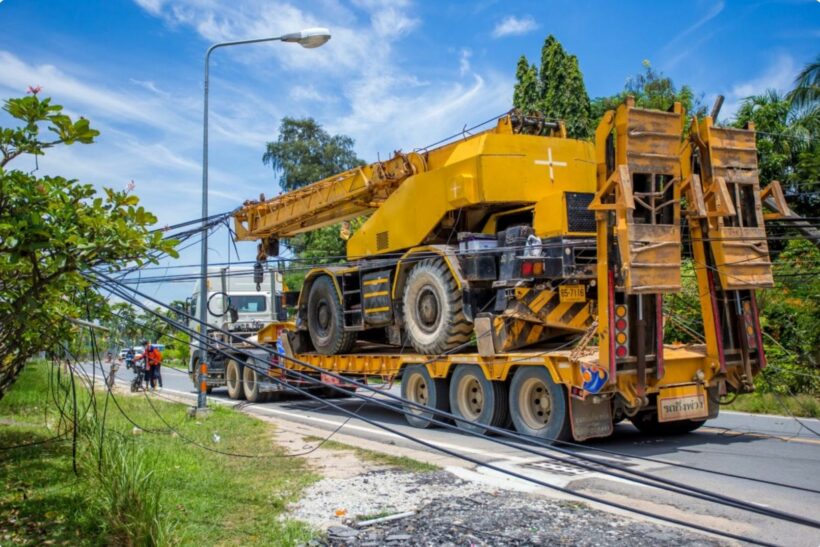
(126, 492)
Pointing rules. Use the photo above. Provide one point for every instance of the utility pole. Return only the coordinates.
(309, 38)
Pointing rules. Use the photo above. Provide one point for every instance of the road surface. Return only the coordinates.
(772, 448)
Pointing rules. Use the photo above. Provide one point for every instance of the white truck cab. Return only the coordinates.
(235, 304)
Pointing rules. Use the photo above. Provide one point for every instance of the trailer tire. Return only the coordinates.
(479, 402)
(646, 421)
(325, 319)
(419, 387)
(233, 379)
(250, 385)
(434, 317)
(538, 406)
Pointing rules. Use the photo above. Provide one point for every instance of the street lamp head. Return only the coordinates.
(308, 38)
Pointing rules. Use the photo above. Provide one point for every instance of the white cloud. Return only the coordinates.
(779, 75)
(365, 93)
(714, 10)
(514, 26)
(677, 50)
(150, 86)
(151, 6)
(307, 93)
(464, 61)
(16, 75)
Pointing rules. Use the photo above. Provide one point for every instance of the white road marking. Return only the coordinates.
(353, 427)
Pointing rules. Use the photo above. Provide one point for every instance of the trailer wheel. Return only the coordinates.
(419, 387)
(325, 319)
(646, 421)
(233, 379)
(250, 385)
(538, 405)
(433, 311)
(477, 400)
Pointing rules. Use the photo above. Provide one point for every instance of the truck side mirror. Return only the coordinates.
(233, 314)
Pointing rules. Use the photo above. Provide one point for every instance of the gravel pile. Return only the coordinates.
(453, 512)
(375, 493)
(511, 519)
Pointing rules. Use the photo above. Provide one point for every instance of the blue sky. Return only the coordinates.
(396, 74)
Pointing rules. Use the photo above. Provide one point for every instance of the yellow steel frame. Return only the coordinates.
(686, 364)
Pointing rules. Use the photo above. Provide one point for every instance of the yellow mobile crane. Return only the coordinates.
(527, 271)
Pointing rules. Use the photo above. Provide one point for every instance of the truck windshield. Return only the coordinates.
(250, 303)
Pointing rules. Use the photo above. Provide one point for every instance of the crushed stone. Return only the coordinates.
(450, 511)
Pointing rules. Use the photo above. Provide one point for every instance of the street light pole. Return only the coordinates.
(309, 38)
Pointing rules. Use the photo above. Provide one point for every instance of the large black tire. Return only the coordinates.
(433, 311)
(250, 386)
(419, 387)
(647, 423)
(233, 379)
(539, 407)
(478, 401)
(325, 319)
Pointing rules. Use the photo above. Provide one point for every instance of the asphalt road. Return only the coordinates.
(771, 448)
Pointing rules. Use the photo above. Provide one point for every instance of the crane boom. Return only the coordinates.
(352, 193)
(328, 201)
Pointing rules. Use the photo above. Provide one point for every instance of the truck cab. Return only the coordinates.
(241, 302)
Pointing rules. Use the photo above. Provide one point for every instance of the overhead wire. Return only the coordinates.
(406, 402)
(491, 466)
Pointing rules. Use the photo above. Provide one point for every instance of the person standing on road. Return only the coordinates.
(113, 366)
(152, 358)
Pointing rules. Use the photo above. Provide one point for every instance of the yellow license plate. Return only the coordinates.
(682, 403)
(572, 293)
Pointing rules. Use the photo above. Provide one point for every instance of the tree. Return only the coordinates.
(305, 153)
(556, 90)
(302, 154)
(52, 230)
(806, 92)
(651, 89)
(788, 145)
(525, 96)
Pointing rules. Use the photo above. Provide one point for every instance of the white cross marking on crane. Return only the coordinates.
(456, 188)
(549, 162)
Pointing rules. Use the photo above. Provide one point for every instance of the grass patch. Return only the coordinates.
(803, 405)
(401, 462)
(152, 488)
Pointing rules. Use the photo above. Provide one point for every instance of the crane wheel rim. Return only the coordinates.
(428, 309)
(323, 315)
(471, 397)
(418, 391)
(535, 403)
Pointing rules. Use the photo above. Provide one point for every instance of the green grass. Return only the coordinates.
(401, 462)
(803, 405)
(203, 497)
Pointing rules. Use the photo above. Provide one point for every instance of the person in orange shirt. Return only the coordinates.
(153, 360)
